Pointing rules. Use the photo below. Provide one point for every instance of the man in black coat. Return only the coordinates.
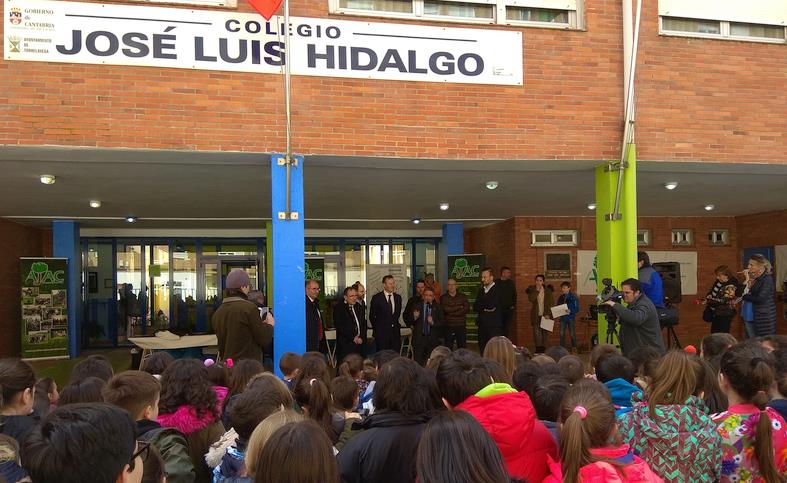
(350, 323)
(385, 309)
(315, 330)
(427, 320)
(507, 297)
(487, 304)
(413, 302)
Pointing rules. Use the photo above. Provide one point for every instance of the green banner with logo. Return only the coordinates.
(466, 270)
(44, 283)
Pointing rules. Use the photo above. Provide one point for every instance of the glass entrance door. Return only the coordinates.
(216, 271)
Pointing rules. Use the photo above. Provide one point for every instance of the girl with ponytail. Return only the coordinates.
(314, 398)
(754, 437)
(589, 441)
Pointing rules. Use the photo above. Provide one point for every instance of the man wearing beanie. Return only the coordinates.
(241, 331)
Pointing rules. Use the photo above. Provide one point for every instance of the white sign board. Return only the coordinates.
(94, 33)
(374, 280)
(587, 274)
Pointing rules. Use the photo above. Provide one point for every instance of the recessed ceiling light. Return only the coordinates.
(416, 221)
(710, 207)
(444, 206)
(671, 185)
(591, 206)
(131, 219)
(95, 204)
(490, 185)
(48, 178)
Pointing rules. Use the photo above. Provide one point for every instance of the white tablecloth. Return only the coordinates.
(186, 341)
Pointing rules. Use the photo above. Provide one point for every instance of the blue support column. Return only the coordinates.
(287, 241)
(65, 244)
(453, 243)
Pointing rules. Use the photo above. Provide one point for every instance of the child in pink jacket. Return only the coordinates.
(588, 416)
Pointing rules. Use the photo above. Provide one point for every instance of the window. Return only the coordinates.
(691, 25)
(554, 238)
(398, 6)
(756, 31)
(682, 237)
(453, 9)
(643, 238)
(523, 14)
(719, 237)
(720, 29)
(752, 20)
(545, 13)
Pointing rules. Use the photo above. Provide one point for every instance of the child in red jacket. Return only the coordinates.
(466, 382)
(589, 447)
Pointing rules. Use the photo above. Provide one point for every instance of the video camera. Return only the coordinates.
(609, 292)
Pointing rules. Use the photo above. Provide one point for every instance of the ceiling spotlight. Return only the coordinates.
(443, 206)
(671, 185)
(95, 204)
(131, 219)
(48, 178)
(710, 207)
(490, 185)
(416, 221)
(591, 206)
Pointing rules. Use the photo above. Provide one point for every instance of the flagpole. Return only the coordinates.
(288, 113)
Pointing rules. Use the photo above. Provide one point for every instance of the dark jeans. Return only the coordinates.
(457, 332)
(721, 324)
(486, 333)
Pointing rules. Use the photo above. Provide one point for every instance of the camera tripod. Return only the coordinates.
(612, 332)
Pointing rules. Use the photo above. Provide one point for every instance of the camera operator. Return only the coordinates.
(639, 321)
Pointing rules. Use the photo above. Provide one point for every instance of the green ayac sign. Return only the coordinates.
(44, 307)
(466, 270)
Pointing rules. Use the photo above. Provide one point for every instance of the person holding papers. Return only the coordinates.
(568, 321)
(541, 300)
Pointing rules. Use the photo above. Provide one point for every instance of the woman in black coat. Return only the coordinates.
(761, 294)
(350, 323)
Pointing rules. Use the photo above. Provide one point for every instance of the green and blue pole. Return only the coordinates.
(616, 239)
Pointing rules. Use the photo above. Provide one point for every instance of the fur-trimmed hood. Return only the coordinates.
(185, 420)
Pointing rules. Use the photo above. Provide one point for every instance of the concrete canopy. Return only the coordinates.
(176, 189)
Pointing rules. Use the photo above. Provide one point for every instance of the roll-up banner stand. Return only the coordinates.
(44, 308)
(466, 270)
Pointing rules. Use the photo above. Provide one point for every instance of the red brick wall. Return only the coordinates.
(529, 261)
(697, 100)
(16, 241)
(701, 99)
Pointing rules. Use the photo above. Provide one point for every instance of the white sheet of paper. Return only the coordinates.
(547, 324)
(560, 310)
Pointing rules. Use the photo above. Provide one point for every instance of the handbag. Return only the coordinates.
(707, 314)
(725, 310)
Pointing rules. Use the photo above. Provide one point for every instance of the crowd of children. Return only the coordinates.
(464, 418)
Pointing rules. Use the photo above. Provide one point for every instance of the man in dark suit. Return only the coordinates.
(350, 323)
(384, 311)
(315, 332)
(427, 319)
(413, 302)
(487, 304)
